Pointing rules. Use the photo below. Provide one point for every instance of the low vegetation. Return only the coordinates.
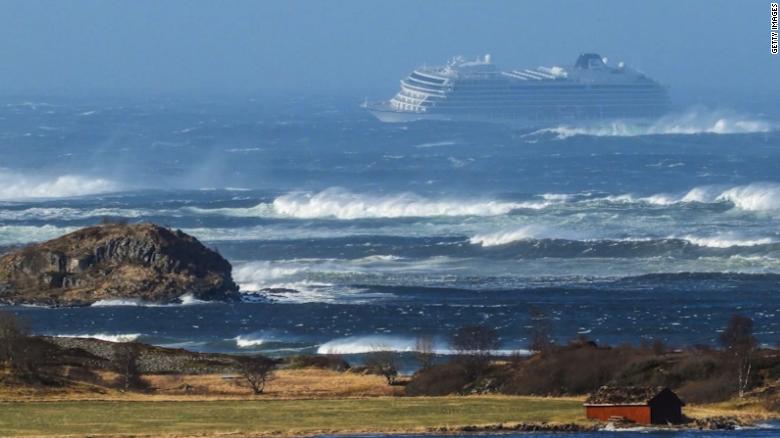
(698, 374)
(288, 416)
(69, 384)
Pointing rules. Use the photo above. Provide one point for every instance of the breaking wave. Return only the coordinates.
(524, 233)
(728, 241)
(248, 341)
(341, 204)
(15, 186)
(20, 234)
(298, 281)
(398, 344)
(344, 205)
(693, 121)
(749, 197)
(69, 213)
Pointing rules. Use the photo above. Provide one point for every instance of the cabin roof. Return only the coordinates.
(624, 395)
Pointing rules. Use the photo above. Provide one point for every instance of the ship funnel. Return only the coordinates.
(487, 58)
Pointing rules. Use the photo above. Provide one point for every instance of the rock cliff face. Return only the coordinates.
(115, 261)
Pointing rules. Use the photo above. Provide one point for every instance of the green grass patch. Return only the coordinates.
(280, 416)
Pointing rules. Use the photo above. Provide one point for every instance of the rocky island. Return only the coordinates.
(143, 262)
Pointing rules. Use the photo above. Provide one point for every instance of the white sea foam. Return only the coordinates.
(398, 344)
(255, 276)
(307, 280)
(68, 213)
(341, 204)
(110, 337)
(727, 241)
(435, 144)
(248, 341)
(692, 121)
(754, 197)
(20, 234)
(529, 232)
(118, 302)
(504, 237)
(15, 186)
(190, 300)
(750, 197)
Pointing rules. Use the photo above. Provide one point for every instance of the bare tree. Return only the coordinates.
(539, 337)
(125, 363)
(382, 361)
(257, 371)
(424, 352)
(738, 340)
(19, 355)
(475, 346)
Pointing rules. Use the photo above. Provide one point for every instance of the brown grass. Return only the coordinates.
(285, 384)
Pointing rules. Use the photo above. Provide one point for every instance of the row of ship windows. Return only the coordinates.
(422, 78)
(532, 97)
(536, 100)
(534, 107)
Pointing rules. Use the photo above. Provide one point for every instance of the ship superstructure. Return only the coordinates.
(477, 90)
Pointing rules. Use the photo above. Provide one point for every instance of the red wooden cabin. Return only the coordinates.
(637, 404)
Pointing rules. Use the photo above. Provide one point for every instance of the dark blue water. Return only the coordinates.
(346, 234)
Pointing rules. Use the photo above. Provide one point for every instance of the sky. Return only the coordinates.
(104, 47)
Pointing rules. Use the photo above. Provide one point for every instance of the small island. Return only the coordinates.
(115, 261)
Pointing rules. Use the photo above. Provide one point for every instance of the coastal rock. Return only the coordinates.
(142, 262)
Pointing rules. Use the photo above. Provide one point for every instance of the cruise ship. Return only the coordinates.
(476, 90)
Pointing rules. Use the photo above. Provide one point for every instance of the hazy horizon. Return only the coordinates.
(94, 48)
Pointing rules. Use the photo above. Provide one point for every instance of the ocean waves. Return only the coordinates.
(343, 205)
(384, 278)
(16, 186)
(336, 203)
(692, 121)
(340, 204)
(398, 344)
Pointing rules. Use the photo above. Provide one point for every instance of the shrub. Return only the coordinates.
(256, 371)
(326, 362)
(716, 389)
(443, 379)
(125, 363)
(383, 363)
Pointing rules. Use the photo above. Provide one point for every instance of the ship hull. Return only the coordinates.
(390, 116)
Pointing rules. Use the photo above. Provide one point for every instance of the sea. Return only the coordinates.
(348, 235)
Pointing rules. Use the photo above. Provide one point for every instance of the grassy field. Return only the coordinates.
(287, 417)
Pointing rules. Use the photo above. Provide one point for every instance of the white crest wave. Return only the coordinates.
(398, 344)
(14, 185)
(248, 341)
(20, 234)
(692, 121)
(727, 241)
(338, 203)
(507, 236)
(749, 197)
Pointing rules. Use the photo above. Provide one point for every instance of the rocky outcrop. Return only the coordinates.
(142, 262)
(151, 359)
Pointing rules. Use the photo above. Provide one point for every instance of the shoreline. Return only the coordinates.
(432, 416)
